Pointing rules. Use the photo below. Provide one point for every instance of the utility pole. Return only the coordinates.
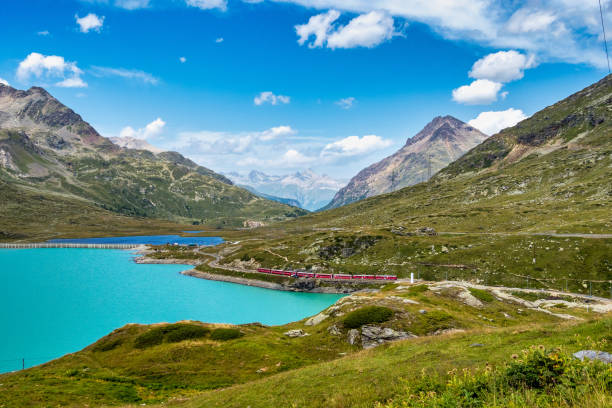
(23, 363)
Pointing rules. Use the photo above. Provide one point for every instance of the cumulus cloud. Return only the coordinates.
(208, 4)
(89, 22)
(43, 33)
(271, 98)
(366, 30)
(51, 67)
(502, 66)
(479, 92)
(354, 146)
(125, 73)
(154, 128)
(219, 40)
(183, 60)
(557, 30)
(346, 103)
(4, 82)
(493, 121)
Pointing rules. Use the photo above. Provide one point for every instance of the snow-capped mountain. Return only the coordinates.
(308, 188)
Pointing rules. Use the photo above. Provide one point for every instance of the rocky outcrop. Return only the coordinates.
(372, 336)
(296, 333)
(441, 142)
(313, 321)
(594, 355)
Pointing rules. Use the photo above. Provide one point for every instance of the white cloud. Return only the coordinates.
(502, 66)
(4, 82)
(526, 20)
(154, 128)
(318, 26)
(271, 98)
(219, 40)
(89, 22)
(74, 82)
(293, 158)
(132, 4)
(183, 60)
(346, 103)
(573, 35)
(208, 4)
(43, 33)
(366, 30)
(479, 92)
(206, 142)
(125, 73)
(354, 146)
(39, 66)
(276, 132)
(494, 121)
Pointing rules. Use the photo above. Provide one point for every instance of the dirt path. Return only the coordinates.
(545, 234)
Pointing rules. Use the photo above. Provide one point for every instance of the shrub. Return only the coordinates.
(482, 295)
(367, 315)
(186, 332)
(107, 344)
(225, 334)
(171, 333)
(150, 338)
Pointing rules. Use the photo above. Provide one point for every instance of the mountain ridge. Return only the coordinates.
(47, 147)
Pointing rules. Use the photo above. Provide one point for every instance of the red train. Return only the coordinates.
(338, 276)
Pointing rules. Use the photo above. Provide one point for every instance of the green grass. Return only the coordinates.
(536, 378)
(482, 295)
(384, 374)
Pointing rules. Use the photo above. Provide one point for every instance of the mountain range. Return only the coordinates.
(48, 151)
(441, 142)
(311, 190)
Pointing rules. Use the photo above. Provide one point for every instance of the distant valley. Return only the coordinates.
(311, 190)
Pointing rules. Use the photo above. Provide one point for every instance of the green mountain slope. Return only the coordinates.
(47, 148)
(550, 172)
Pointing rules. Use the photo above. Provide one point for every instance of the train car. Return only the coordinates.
(369, 277)
(380, 277)
(324, 276)
(263, 270)
(342, 276)
(390, 277)
(358, 276)
(305, 275)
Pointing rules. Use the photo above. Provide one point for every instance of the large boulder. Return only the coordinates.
(372, 336)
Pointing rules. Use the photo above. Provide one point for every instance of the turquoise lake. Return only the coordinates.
(57, 301)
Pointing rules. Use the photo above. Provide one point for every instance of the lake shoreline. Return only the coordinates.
(306, 286)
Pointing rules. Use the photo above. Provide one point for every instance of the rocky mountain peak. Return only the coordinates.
(439, 143)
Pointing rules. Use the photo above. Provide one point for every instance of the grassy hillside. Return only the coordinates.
(147, 364)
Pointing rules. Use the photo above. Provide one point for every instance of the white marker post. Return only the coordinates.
(411, 277)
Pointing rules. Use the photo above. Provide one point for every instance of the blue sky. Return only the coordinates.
(279, 86)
